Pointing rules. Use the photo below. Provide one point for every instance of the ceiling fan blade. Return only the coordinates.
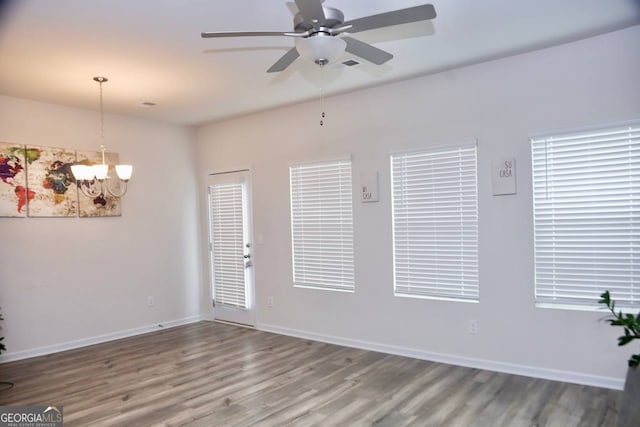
(311, 11)
(284, 61)
(366, 51)
(247, 34)
(396, 17)
(339, 30)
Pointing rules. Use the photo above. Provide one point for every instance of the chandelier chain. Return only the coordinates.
(101, 115)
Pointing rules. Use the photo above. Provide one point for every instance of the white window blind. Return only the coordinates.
(435, 223)
(586, 207)
(227, 238)
(322, 225)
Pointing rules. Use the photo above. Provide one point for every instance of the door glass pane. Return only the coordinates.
(227, 237)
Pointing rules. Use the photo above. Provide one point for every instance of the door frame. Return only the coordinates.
(248, 315)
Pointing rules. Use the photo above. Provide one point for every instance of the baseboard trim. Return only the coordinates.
(70, 345)
(509, 368)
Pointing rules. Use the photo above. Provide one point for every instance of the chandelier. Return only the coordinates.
(94, 180)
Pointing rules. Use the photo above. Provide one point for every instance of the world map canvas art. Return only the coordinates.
(13, 180)
(37, 181)
(50, 179)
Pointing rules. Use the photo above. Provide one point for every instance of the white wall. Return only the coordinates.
(500, 104)
(70, 281)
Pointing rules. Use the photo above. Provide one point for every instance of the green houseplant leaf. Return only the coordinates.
(629, 322)
(2, 346)
(4, 385)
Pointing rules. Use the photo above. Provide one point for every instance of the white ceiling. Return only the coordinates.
(152, 50)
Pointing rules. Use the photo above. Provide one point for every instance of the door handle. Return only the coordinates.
(247, 256)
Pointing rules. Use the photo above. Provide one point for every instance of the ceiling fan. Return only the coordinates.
(316, 29)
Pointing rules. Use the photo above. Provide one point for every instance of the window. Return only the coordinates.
(586, 210)
(435, 223)
(322, 225)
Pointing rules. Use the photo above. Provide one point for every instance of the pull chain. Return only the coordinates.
(322, 115)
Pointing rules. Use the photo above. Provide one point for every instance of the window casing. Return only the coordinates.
(435, 223)
(322, 225)
(586, 209)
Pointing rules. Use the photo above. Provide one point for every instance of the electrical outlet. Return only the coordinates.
(270, 302)
(150, 302)
(473, 327)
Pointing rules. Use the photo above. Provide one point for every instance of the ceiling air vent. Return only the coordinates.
(350, 62)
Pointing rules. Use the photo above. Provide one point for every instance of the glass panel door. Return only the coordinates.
(230, 247)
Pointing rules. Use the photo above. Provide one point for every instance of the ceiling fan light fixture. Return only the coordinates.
(320, 48)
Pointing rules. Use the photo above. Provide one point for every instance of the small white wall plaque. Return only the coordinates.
(369, 187)
(503, 176)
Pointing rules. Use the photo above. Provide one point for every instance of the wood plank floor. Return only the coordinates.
(213, 374)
